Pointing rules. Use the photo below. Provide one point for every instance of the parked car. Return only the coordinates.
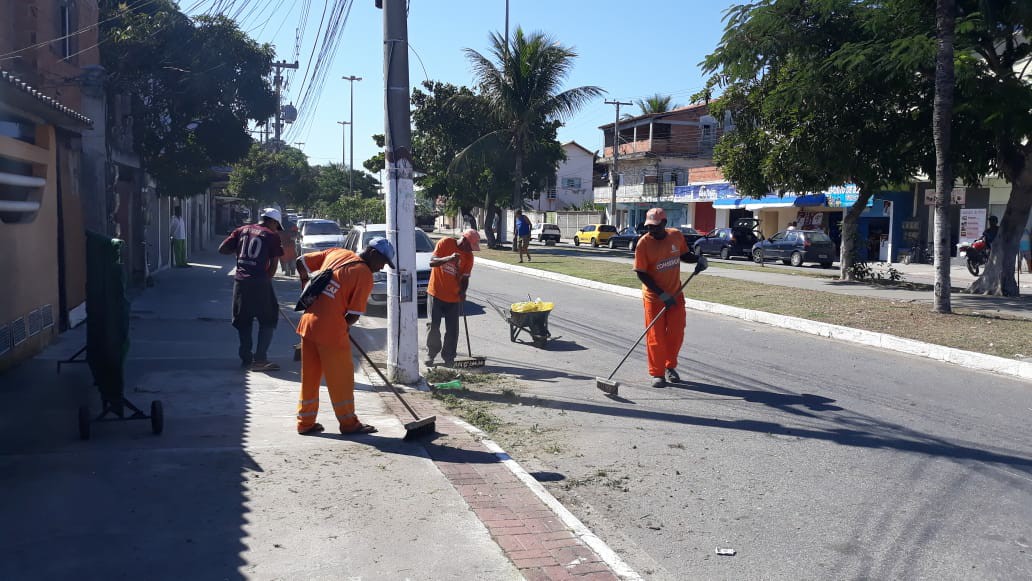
(360, 236)
(627, 238)
(690, 235)
(737, 240)
(594, 234)
(547, 233)
(319, 235)
(796, 247)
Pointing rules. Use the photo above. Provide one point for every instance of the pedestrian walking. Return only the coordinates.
(521, 235)
(325, 327)
(450, 268)
(657, 262)
(177, 232)
(257, 248)
(288, 238)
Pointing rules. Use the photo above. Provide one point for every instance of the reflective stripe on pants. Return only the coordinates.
(664, 340)
(318, 360)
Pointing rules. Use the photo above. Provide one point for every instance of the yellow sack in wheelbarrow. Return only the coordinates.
(537, 306)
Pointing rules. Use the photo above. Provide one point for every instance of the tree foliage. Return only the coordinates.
(331, 182)
(196, 83)
(655, 104)
(804, 119)
(271, 176)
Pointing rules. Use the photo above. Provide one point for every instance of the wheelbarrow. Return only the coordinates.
(533, 323)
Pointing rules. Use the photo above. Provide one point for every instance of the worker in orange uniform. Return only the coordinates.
(450, 267)
(325, 345)
(657, 262)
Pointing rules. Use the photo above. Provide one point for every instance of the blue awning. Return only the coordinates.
(811, 200)
(727, 202)
(770, 202)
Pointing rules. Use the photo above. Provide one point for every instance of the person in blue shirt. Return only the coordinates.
(521, 235)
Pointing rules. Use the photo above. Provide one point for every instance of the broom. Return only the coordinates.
(471, 361)
(613, 387)
(419, 426)
(297, 347)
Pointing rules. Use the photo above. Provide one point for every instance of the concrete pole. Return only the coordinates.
(402, 344)
(614, 176)
(343, 141)
(351, 165)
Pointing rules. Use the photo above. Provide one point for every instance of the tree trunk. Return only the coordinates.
(847, 258)
(942, 125)
(489, 232)
(998, 276)
(517, 178)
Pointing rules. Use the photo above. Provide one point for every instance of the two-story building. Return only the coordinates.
(571, 186)
(656, 153)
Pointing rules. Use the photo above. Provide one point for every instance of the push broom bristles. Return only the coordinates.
(420, 428)
(415, 429)
(607, 385)
(469, 362)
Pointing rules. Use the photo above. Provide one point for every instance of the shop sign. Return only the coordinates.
(810, 221)
(972, 224)
(704, 193)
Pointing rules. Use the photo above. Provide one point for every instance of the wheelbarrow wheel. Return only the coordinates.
(84, 422)
(157, 417)
(540, 341)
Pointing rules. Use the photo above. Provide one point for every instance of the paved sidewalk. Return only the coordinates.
(229, 491)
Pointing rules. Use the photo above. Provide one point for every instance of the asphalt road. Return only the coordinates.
(813, 459)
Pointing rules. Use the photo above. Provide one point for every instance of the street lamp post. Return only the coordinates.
(351, 167)
(343, 140)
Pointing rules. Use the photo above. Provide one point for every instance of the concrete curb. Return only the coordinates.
(579, 529)
(967, 359)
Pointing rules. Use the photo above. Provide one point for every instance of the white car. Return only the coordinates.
(360, 236)
(546, 233)
(319, 235)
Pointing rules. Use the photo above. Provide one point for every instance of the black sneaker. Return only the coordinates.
(672, 376)
(658, 382)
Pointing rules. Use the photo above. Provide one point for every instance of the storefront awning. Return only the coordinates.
(728, 203)
(811, 200)
(770, 202)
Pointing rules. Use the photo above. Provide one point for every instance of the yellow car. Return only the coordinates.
(594, 234)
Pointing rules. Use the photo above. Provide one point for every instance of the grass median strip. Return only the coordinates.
(982, 333)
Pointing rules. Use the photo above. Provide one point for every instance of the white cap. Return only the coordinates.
(274, 214)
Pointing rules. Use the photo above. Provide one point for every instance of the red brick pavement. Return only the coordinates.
(526, 529)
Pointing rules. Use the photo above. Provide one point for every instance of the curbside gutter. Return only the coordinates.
(967, 359)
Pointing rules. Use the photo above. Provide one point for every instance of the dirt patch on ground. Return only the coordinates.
(982, 333)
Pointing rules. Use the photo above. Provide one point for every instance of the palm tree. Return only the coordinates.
(656, 104)
(522, 83)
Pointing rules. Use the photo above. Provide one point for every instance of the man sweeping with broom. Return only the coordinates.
(657, 262)
(450, 267)
(324, 330)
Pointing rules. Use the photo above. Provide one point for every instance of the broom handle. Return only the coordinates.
(647, 329)
(465, 323)
(383, 377)
(286, 318)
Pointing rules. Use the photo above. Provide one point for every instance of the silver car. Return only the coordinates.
(360, 236)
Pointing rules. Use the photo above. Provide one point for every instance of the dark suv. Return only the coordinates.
(737, 240)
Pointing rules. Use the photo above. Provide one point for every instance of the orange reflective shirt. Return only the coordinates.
(661, 259)
(445, 279)
(346, 293)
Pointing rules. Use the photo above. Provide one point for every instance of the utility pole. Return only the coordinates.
(351, 166)
(614, 176)
(343, 141)
(506, 26)
(278, 82)
(402, 344)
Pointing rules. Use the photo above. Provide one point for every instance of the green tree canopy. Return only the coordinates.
(804, 121)
(272, 176)
(196, 84)
(655, 104)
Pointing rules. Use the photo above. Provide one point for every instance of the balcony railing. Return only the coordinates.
(636, 193)
(673, 146)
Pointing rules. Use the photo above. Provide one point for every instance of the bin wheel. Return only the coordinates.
(84, 422)
(540, 342)
(157, 417)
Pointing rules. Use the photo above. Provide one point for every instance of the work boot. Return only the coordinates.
(658, 382)
(429, 362)
(672, 376)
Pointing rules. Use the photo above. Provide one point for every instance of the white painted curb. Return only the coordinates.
(580, 530)
(968, 359)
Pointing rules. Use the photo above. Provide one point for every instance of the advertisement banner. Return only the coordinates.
(704, 193)
(972, 224)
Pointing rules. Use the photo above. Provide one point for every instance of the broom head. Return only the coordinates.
(609, 386)
(421, 428)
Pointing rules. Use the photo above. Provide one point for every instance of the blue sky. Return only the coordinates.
(629, 49)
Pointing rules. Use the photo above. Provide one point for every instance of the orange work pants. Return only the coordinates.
(318, 360)
(664, 340)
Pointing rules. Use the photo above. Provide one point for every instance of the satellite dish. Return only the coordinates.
(288, 113)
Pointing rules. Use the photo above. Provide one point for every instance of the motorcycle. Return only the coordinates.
(976, 253)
